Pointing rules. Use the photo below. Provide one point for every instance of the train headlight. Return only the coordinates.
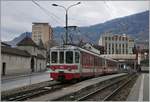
(53, 69)
(69, 69)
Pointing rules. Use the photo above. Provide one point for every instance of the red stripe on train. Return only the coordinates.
(67, 76)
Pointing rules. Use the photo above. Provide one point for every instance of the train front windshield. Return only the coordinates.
(61, 57)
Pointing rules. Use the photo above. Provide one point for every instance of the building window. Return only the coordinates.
(126, 51)
(39, 36)
(105, 38)
(109, 46)
(123, 46)
(112, 50)
(123, 39)
(126, 46)
(119, 46)
(116, 38)
(116, 46)
(112, 45)
(116, 51)
(105, 44)
(120, 38)
(113, 38)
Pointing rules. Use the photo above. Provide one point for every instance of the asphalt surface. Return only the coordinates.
(23, 81)
(146, 88)
(140, 91)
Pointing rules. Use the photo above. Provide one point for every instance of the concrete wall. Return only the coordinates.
(42, 52)
(16, 64)
(41, 65)
(32, 50)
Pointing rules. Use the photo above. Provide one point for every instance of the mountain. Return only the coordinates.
(136, 26)
(18, 39)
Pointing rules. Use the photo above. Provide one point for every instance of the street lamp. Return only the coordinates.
(66, 10)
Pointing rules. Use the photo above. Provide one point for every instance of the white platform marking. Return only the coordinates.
(141, 88)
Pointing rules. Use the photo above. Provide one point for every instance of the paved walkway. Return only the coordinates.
(6, 77)
(140, 91)
(11, 83)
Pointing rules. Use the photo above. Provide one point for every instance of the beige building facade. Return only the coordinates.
(14, 61)
(42, 31)
(26, 58)
(117, 44)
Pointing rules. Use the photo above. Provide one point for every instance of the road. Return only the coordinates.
(23, 81)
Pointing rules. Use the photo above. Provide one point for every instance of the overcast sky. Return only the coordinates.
(17, 16)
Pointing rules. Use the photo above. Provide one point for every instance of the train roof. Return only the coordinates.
(73, 47)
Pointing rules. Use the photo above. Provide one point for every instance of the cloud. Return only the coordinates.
(17, 16)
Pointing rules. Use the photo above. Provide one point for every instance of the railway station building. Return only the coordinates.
(120, 47)
(117, 44)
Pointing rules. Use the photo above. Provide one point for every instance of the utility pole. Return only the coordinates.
(66, 16)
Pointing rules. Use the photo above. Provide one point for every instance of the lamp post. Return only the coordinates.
(66, 15)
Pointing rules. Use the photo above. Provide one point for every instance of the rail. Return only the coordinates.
(118, 85)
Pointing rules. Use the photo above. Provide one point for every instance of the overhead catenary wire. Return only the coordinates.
(48, 13)
(125, 27)
(107, 6)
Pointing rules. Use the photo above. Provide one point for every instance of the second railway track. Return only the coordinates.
(107, 92)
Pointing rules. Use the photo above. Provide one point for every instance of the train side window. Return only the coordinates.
(61, 57)
(54, 57)
(77, 57)
(69, 57)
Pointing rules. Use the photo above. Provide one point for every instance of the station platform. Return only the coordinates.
(24, 80)
(140, 90)
(74, 88)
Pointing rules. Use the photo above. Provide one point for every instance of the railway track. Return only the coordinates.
(48, 88)
(107, 92)
(32, 92)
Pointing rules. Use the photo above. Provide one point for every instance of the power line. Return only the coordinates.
(48, 13)
(111, 14)
(125, 27)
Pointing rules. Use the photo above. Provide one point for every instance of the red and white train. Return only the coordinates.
(71, 62)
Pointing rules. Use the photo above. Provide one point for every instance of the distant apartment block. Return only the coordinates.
(117, 44)
(142, 44)
(41, 31)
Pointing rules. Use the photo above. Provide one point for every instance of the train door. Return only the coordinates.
(77, 60)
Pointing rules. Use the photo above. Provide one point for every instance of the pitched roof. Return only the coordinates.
(41, 45)
(4, 44)
(27, 41)
(40, 56)
(14, 51)
(100, 48)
